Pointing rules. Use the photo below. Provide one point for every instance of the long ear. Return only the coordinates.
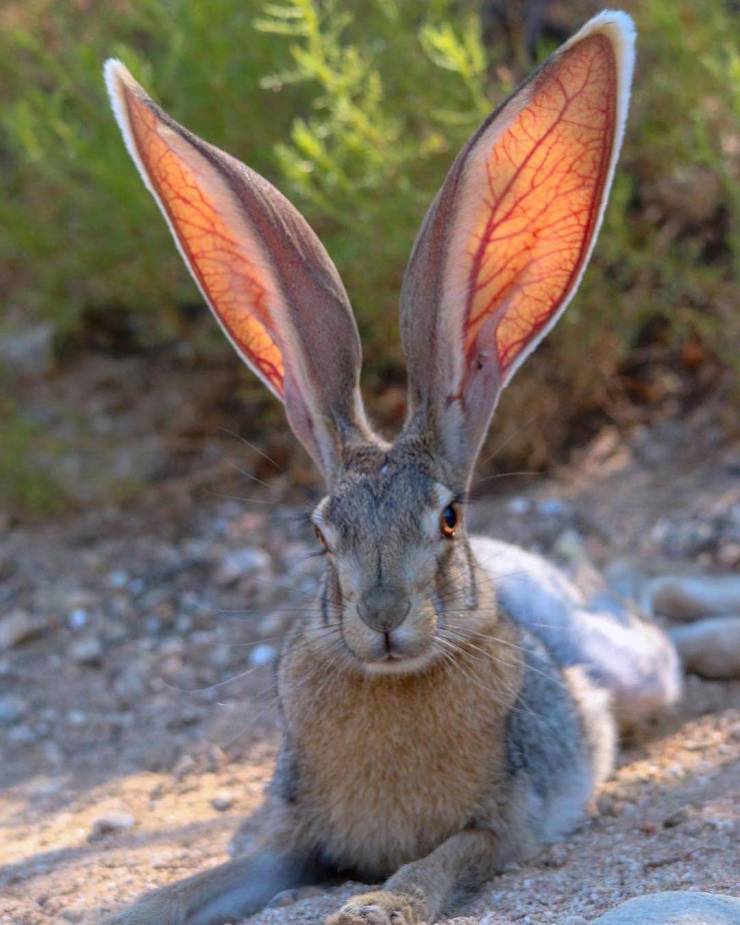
(260, 268)
(504, 245)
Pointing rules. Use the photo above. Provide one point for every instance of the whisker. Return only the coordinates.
(514, 432)
(242, 498)
(508, 475)
(236, 436)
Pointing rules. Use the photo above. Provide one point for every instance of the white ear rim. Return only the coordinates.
(316, 432)
(116, 73)
(619, 27)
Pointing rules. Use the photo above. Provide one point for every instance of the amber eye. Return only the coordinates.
(449, 520)
(320, 536)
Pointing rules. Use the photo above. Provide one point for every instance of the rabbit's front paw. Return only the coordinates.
(380, 908)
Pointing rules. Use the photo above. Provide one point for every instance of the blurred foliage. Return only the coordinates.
(355, 110)
(23, 482)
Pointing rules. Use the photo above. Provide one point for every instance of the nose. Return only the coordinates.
(383, 608)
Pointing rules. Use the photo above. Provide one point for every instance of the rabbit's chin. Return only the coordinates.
(398, 665)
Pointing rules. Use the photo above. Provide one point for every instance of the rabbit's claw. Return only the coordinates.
(380, 908)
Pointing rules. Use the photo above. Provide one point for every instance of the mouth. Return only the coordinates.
(392, 653)
(396, 661)
(399, 664)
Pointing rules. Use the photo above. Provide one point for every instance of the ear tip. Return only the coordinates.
(617, 26)
(118, 79)
(619, 29)
(114, 71)
(621, 20)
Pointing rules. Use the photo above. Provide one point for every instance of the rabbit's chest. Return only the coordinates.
(386, 773)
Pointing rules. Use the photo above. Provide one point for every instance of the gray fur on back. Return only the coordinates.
(630, 657)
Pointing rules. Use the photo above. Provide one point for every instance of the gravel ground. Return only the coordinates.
(137, 712)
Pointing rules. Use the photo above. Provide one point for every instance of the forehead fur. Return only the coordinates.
(393, 486)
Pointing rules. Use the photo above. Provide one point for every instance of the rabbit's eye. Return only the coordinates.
(449, 520)
(320, 537)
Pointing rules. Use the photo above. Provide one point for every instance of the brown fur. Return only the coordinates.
(408, 761)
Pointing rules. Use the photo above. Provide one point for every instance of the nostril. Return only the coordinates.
(403, 611)
(383, 609)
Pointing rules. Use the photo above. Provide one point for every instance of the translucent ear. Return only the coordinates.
(505, 243)
(261, 269)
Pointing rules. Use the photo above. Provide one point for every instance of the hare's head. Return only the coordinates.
(499, 256)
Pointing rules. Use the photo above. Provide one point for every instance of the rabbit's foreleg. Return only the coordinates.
(423, 889)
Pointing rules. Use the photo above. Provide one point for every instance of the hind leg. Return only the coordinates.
(222, 894)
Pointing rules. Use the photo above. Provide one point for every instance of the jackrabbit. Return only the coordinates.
(450, 704)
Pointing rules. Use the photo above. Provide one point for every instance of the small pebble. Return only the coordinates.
(552, 507)
(88, 651)
(222, 801)
(728, 554)
(110, 823)
(519, 506)
(274, 623)
(678, 817)
(19, 627)
(220, 656)
(262, 654)
(282, 899)
(72, 915)
(186, 765)
(118, 579)
(241, 562)
(556, 856)
(22, 735)
(569, 545)
(12, 709)
(78, 618)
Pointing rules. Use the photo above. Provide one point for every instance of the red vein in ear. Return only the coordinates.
(208, 231)
(545, 177)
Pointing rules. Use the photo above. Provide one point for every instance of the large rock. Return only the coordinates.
(711, 647)
(675, 908)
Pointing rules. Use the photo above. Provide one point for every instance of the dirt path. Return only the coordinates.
(137, 718)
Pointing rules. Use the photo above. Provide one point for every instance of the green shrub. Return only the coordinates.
(81, 235)
(24, 483)
(355, 110)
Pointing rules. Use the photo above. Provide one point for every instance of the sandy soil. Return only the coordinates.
(140, 725)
